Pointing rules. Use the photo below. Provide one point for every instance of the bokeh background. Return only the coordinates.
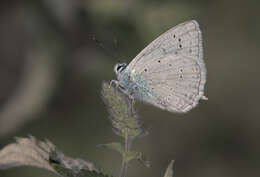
(51, 72)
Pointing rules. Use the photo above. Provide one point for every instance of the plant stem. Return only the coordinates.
(123, 169)
(124, 166)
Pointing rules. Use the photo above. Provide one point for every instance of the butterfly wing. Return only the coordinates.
(173, 67)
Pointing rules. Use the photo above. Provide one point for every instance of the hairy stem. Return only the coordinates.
(123, 169)
(124, 166)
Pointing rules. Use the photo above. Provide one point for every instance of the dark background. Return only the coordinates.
(51, 73)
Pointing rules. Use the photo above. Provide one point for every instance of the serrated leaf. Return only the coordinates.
(65, 172)
(63, 164)
(43, 154)
(169, 170)
(27, 151)
(87, 173)
(123, 116)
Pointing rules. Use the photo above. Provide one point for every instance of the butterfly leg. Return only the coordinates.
(129, 95)
(132, 103)
(122, 89)
(113, 82)
(204, 97)
(132, 100)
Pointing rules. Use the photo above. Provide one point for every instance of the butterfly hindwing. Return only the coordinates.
(173, 85)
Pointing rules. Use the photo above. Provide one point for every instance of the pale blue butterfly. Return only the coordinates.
(170, 72)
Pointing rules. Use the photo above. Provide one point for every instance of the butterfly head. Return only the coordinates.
(119, 68)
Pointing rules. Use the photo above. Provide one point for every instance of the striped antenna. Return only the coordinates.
(105, 49)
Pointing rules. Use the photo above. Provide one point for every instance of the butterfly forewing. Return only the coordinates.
(173, 67)
(184, 38)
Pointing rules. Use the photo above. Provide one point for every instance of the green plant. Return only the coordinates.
(43, 154)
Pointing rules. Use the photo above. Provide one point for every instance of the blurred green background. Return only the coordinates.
(51, 73)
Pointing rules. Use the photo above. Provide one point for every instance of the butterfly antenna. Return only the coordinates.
(115, 43)
(116, 46)
(106, 50)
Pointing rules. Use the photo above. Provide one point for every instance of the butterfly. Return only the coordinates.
(170, 72)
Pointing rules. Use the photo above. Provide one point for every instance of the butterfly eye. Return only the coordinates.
(120, 67)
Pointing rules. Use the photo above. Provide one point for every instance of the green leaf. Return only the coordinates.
(142, 159)
(169, 170)
(133, 155)
(123, 116)
(127, 156)
(115, 146)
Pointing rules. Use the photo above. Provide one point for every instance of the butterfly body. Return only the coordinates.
(170, 72)
(133, 85)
